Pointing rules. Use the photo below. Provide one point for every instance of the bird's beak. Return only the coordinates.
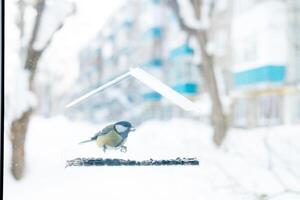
(132, 129)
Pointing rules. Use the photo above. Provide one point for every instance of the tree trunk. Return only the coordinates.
(32, 57)
(19, 126)
(218, 118)
(18, 135)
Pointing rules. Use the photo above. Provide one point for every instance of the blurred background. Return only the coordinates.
(238, 60)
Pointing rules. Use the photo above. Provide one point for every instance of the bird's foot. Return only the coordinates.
(123, 149)
(104, 148)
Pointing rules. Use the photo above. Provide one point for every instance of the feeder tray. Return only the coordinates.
(81, 162)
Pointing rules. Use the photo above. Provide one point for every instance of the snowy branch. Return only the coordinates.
(33, 55)
(59, 27)
(20, 20)
(176, 10)
(192, 15)
(39, 7)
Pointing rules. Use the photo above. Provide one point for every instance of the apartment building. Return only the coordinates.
(265, 62)
(256, 60)
(144, 34)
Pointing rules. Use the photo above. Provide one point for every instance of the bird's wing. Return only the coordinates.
(104, 131)
(111, 139)
(107, 129)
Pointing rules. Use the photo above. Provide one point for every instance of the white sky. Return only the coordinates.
(90, 17)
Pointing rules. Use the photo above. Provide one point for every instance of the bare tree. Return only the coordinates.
(31, 59)
(218, 117)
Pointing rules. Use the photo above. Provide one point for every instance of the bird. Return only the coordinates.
(112, 136)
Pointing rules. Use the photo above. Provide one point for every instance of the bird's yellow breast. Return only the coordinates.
(110, 139)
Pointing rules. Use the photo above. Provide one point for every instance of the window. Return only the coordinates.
(249, 49)
(222, 5)
(241, 6)
(270, 110)
(240, 113)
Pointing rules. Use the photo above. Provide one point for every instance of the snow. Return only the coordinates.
(59, 63)
(16, 78)
(238, 170)
(148, 80)
(257, 163)
(188, 15)
(163, 89)
(55, 12)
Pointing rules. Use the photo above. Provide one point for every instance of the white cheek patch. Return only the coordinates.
(121, 128)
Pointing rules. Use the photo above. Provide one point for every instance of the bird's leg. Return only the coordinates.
(123, 149)
(104, 148)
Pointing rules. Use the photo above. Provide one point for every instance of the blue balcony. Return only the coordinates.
(190, 88)
(110, 37)
(183, 50)
(155, 1)
(155, 63)
(265, 74)
(152, 96)
(127, 24)
(154, 33)
(124, 50)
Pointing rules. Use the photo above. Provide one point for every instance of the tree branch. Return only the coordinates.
(33, 55)
(218, 118)
(20, 19)
(39, 6)
(59, 27)
(173, 4)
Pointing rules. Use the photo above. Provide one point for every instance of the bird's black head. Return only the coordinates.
(124, 126)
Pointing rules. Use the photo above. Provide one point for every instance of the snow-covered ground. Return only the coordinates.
(252, 164)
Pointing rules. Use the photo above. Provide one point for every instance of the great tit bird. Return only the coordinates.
(112, 136)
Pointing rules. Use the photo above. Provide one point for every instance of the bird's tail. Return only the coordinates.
(90, 140)
(85, 141)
